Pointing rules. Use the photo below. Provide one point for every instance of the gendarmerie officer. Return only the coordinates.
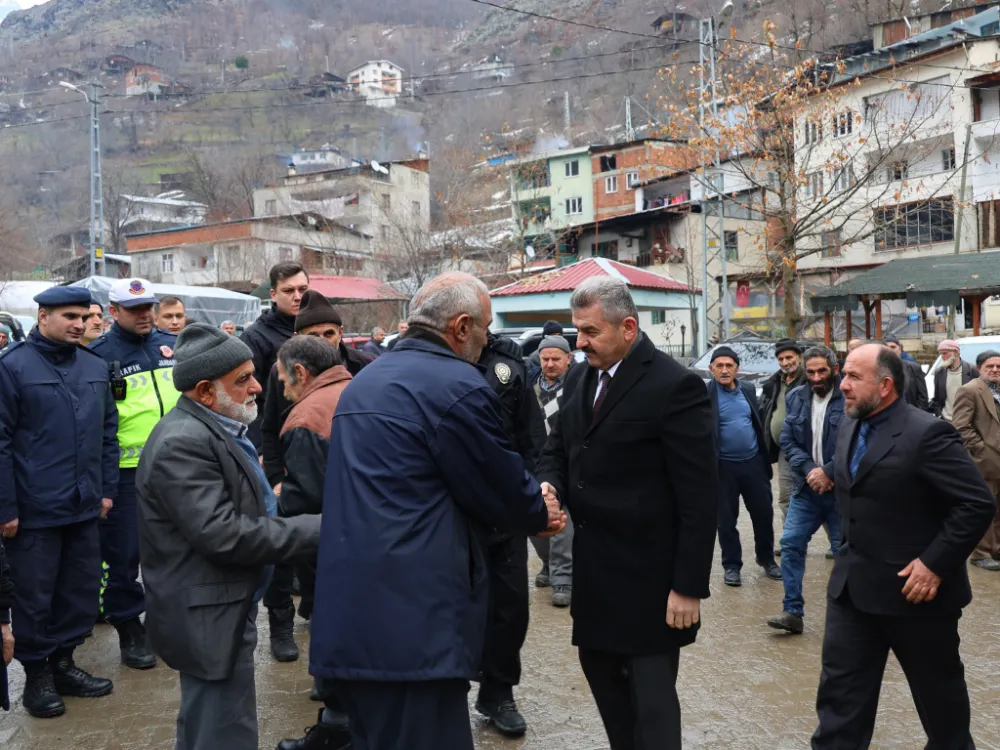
(140, 360)
(58, 476)
(503, 367)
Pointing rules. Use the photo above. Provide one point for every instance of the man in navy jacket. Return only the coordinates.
(419, 472)
(58, 475)
(808, 440)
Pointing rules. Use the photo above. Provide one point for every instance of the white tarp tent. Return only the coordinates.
(204, 304)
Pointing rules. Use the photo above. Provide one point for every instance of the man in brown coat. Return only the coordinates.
(313, 375)
(976, 416)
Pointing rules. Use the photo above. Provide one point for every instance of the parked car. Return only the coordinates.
(19, 325)
(757, 360)
(970, 347)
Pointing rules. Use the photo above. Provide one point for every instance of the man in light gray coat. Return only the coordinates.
(207, 537)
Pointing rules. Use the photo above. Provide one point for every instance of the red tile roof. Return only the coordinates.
(356, 288)
(567, 278)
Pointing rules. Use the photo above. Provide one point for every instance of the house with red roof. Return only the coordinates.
(666, 307)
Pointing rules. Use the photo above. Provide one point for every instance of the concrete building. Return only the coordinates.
(618, 169)
(237, 254)
(389, 202)
(379, 82)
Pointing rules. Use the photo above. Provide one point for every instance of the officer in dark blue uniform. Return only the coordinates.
(58, 474)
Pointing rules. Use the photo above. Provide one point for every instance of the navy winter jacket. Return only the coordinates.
(419, 470)
(797, 434)
(58, 427)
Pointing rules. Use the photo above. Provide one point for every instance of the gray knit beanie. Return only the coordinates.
(554, 342)
(203, 352)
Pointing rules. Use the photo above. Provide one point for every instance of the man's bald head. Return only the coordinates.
(457, 306)
(854, 344)
(872, 380)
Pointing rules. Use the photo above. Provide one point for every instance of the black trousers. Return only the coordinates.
(122, 596)
(278, 596)
(855, 648)
(749, 479)
(56, 576)
(430, 715)
(508, 619)
(636, 697)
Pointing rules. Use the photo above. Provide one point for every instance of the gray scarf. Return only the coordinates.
(994, 389)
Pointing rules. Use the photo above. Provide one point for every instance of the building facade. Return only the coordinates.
(379, 82)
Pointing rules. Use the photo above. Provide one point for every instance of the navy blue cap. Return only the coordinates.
(60, 296)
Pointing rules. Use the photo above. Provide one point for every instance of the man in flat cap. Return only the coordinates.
(207, 538)
(744, 467)
(58, 476)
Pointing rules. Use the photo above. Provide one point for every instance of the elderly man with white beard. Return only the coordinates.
(208, 536)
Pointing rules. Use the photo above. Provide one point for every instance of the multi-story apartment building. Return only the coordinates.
(380, 82)
(390, 202)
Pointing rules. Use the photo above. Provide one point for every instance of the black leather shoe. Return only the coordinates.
(283, 646)
(71, 680)
(542, 579)
(505, 717)
(772, 571)
(136, 653)
(40, 697)
(786, 621)
(320, 736)
(732, 577)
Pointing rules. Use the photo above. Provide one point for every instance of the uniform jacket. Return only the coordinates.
(305, 440)
(797, 433)
(276, 407)
(58, 425)
(768, 401)
(915, 386)
(916, 493)
(419, 469)
(975, 418)
(640, 480)
(758, 428)
(272, 329)
(146, 363)
(204, 537)
(969, 373)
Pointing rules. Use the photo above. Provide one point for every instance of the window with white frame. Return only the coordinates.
(948, 159)
(659, 317)
(814, 132)
(843, 123)
(285, 254)
(415, 208)
(167, 263)
(572, 168)
(271, 207)
(611, 184)
(843, 179)
(914, 103)
(631, 180)
(814, 183)
(897, 170)
(574, 205)
(731, 244)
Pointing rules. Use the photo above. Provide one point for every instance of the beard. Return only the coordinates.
(862, 409)
(244, 413)
(821, 389)
(471, 352)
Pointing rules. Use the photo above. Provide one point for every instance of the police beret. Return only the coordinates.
(61, 296)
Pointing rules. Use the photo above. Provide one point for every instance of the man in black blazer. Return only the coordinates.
(913, 506)
(744, 467)
(632, 456)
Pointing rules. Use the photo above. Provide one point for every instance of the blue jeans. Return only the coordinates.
(807, 511)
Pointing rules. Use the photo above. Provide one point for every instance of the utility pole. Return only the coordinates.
(568, 114)
(629, 130)
(958, 217)
(96, 181)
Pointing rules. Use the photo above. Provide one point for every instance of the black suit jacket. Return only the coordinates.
(969, 373)
(750, 394)
(640, 480)
(915, 386)
(917, 493)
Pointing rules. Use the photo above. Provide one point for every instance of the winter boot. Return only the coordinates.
(40, 697)
(282, 622)
(328, 733)
(134, 647)
(69, 679)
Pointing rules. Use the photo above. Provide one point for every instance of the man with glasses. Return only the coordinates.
(316, 317)
(976, 416)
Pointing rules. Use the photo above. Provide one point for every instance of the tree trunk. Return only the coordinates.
(789, 280)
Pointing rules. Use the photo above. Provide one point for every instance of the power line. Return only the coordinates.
(584, 24)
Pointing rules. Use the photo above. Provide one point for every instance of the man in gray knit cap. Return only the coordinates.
(208, 536)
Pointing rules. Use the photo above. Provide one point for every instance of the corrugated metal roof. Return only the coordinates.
(567, 278)
(354, 288)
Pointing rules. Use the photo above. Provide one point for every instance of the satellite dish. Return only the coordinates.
(529, 251)
(376, 166)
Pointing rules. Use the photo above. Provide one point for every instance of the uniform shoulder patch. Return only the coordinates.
(502, 372)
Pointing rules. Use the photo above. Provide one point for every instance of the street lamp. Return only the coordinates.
(683, 331)
(96, 182)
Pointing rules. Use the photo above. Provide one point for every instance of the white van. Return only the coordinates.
(970, 347)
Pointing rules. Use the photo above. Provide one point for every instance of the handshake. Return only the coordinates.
(557, 518)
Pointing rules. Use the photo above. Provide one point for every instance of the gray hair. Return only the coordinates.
(315, 354)
(611, 294)
(226, 323)
(447, 296)
(820, 352)
(377, 330)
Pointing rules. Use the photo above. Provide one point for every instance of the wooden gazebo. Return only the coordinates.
(939, 281)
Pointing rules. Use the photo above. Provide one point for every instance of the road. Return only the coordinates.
(743, 686)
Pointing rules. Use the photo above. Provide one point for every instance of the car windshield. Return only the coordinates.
(971, 351)
(755, 356)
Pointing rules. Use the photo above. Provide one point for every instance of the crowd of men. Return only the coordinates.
(397, 487)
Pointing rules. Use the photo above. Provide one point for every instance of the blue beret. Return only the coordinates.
(60, 296)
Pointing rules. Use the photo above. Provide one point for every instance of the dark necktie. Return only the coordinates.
(602, 393)
(860, 447)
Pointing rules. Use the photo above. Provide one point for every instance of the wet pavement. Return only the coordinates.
(742, 685)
